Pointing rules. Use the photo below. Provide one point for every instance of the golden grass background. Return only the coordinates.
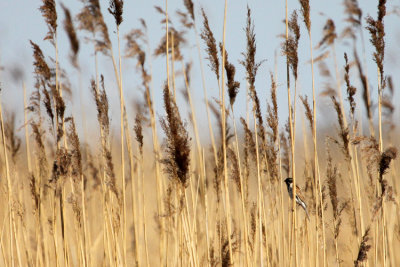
(152, 193)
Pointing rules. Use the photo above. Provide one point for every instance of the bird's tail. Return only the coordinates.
(308, 217)
(305, 209)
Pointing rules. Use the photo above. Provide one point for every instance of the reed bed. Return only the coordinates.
(160, 191)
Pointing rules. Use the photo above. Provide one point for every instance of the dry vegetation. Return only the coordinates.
(169, 199)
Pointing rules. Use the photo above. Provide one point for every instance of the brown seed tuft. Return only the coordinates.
(233, 86)
(48, 10)
(290, 46)
(329, 34)
(73, 39)
(365, 94)
(189, 7)
(208, 37)
(176, 40)
(91, 19)
(139, 132)
(344, 131)
(387, 156)
(305, 11)
(351, 90)
(363, 250)
(116, 9)
(376, 29)
(308, 111)
(251, 67)
(177, 144)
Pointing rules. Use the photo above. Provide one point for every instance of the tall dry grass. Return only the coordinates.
(169, 200)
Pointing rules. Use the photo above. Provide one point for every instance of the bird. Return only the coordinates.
(299, 196)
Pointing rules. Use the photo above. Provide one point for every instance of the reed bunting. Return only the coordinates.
(299, 196)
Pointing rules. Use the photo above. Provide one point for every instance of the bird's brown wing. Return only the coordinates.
(300, 194)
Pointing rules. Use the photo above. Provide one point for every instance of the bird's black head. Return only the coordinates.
(288, 181)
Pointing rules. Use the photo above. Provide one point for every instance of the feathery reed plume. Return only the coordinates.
(291, 45)
(224, 249)
(219, 166)
(73, 39)
(377, 30)
(42, 70)
(253, 226)
(42, 159)
(75, 151)
(111, 180)
(216, 112)
(387, 156)
(212, 51)
(189, 7)
(74, 200)
(308, 111)
(370, 152)
(101, 100)
(249, 140)
(91, 19)
(365, 94)
(272, 119)
(218, 172)
(61, 165)
(251, 71)
(178, 40)
(45, 77)
(187, 70)
(354, 15)
(93, 171)
(273, 123)
(59, 110)
(333, 175)
(329, 34)
(177, 144)
(184, 19)
(285, 151)
(249, 150)
(134, 49)
(354, 12)
(14, 142)
(305, 11)
(324, 202)
(139, 132)
(47, 103)
(233, 86)
(34, 190)
(344, 131)
(235, 174)
(387, 104)
(116, 9)
(48, 10)
(351, 90)
(377, 163)
(363, 249)
(386, 191)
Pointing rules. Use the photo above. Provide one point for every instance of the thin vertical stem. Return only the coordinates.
(226, 186)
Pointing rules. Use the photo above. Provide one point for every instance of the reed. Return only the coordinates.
(132, 195)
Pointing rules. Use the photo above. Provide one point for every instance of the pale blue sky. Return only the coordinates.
(21, 21)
